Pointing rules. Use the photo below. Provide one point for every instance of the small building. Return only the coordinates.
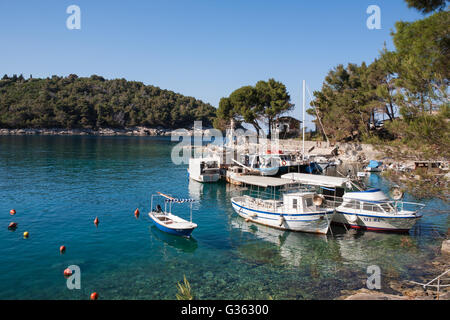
(287, 127)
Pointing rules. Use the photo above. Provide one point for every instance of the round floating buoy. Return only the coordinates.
(96, 221)
(94, 296)
(12, 212)
(62, 249)
(26, 234)
(12, 225)
(67, 272)
(136, 213)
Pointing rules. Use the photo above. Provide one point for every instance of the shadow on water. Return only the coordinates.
(188, 245)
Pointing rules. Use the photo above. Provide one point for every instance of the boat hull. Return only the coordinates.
(209, 178)
(315, 222)
(183, 231)
(375, 222)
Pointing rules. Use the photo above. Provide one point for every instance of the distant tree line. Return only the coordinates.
(75, 102)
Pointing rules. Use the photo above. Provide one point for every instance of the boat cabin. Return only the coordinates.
(299, 202)
(203, 166)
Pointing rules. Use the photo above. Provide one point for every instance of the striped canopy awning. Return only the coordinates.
(172, 199)
(179, 200)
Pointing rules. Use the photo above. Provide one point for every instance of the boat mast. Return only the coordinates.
(303, 123)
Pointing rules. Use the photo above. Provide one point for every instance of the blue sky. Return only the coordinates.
(200, 48)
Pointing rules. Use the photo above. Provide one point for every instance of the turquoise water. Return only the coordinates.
(58, 185)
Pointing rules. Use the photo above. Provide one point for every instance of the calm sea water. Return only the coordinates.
(58, 185)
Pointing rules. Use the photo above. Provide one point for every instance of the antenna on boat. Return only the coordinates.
(303, 124)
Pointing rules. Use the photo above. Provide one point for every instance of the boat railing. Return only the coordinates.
(387, 206)
(258, 203)
(439, 280)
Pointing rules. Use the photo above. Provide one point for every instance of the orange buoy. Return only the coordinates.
(67, 272)
(26, 234)
(12, 212)
(94, 296)
(136, 213)
(96, 221)
(12, 225)
(62, 249)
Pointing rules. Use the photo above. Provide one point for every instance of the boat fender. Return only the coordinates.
(281, 221)
(318, 200)
(396, 193)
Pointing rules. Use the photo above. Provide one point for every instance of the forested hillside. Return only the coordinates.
(75, 102)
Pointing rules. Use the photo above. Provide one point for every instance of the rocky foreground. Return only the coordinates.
(404, 290)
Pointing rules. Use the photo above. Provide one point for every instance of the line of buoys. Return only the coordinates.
(12, 212)
(12, 225)
(94, 296)
(96, 221)
(26, 234)
(67, 272)
(136, 213)
(62, 249)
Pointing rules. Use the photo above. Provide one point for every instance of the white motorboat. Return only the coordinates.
(373, 210)
(204, 169)
(370, 209)
(295, 209)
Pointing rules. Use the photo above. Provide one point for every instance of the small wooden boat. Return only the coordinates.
(165, 221)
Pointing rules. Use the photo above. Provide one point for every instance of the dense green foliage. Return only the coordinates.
(427, 6)
(344, 98)
(408, 87)
(73, 102)
(254, 104)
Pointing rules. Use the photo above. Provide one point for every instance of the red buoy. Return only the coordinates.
(12, 225)
(12, 212)
(62, 249)
(67, 272)
(94, 296)
(96, 221)
(136, 213)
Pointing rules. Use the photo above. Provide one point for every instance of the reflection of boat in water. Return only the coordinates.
(360, 246)
(291, 246)
(179, 243)
(195, 189)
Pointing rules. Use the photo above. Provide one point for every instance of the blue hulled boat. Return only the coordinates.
(165, 221)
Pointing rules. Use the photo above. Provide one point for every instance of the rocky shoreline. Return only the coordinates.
(132, 131)
(404, 290)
